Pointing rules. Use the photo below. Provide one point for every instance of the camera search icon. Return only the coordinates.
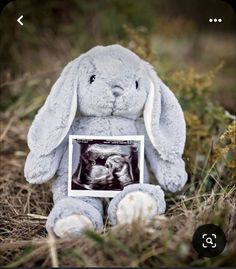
(209, 240)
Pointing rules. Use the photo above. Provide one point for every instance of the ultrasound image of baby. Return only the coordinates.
(104, 166)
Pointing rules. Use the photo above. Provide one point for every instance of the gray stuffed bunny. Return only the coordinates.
(110, 88)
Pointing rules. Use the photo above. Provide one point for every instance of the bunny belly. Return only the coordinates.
(104, 126)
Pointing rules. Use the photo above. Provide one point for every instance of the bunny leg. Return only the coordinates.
(70, 216)
(136, 201)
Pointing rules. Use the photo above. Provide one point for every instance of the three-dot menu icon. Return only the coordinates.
(215, 20)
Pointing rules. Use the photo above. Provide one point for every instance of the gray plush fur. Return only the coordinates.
(111, 105)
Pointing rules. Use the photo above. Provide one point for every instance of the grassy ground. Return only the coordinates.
(165, 241)
(208, 197)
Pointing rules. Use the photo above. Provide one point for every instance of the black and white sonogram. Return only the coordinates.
(105, 164)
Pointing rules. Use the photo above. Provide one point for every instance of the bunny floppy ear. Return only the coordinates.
(164, 119)
(54, 119)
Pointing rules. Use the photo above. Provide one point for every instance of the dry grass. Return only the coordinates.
(165, 241)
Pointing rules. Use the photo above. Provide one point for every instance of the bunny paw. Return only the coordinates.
(72, 226)
(135, 205)
(136, 202)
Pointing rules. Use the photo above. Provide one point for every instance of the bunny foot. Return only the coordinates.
(72, 225)
(137, 201)
(72, 216)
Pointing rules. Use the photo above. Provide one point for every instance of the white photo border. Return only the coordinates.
(101, 193)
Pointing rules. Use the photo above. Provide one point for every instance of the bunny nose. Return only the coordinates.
(117, 90)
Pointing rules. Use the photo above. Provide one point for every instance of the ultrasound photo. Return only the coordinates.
(103, 166)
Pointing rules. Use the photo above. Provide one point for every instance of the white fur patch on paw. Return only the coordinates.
(72, 226)
(136, 205)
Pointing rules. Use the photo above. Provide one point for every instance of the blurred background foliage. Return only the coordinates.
(195, 58)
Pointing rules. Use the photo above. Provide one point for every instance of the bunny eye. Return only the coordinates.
(92, 78)
(136, 84)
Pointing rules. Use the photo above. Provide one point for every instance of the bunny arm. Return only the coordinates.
(170, 175)
(39, 169)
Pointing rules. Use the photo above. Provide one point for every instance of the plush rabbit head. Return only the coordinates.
(110, 81)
